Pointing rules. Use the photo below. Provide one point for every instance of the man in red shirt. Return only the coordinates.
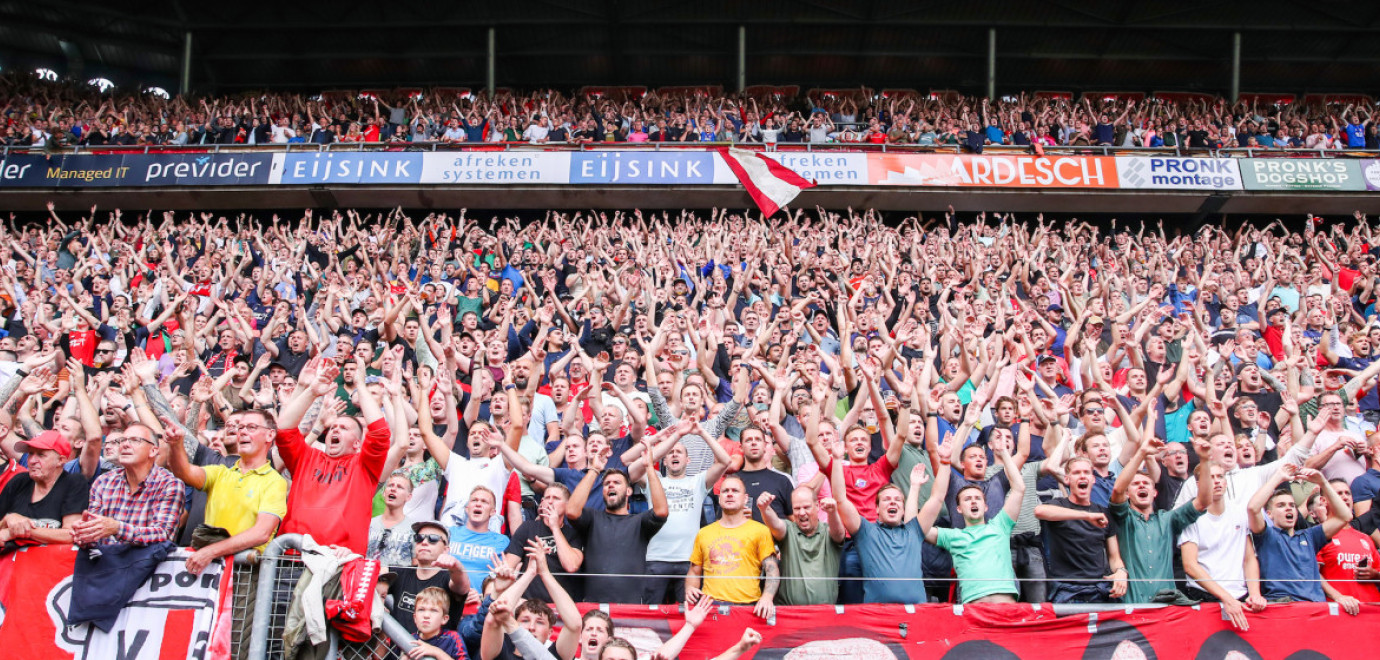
(83, 331)
(333, 488)
(1349, 556)
(864, 480)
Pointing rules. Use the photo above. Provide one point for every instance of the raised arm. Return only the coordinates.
(848, 513)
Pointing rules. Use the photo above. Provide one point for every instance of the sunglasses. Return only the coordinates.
(427, 538)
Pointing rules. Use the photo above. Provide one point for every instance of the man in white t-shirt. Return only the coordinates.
(668, 552)
(282, 132)
(1241, 483)
(1218, 555)
(537, 131)
(485, 467)
(1337, 451)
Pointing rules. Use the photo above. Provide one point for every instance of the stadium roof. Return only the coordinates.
(1065, 45)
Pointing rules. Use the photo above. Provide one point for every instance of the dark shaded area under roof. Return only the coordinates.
(1069, 45)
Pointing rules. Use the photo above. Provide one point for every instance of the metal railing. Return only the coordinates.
(831, 147)
(275, 577)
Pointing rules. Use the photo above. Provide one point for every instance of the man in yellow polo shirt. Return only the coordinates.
(248, 500)
(733, 553)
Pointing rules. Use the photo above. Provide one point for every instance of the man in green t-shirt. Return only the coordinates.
(809, 547)
(1147, 537)
(982, 549)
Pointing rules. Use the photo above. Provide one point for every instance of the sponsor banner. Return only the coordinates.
(491, 167)
(26, 170)
(1177, 173)
(346, 167)
(992, 171)
(135, 170)
(1370, 171)
(1302, 174)
(174, 614)
(645, 168)
(223, 169)
(1006, 632)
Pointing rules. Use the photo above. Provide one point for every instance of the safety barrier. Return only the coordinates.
(276, 574)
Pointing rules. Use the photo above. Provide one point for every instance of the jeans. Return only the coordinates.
(850, 565)
(1081, 592)
(1030, 572)
(665, 580)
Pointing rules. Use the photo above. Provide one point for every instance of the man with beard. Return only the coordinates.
(544, 420)
(734, 552)
(668, 553)
(757, 474)
(1084, 558)
(333, 488)
(1145, 535)
(615, 540)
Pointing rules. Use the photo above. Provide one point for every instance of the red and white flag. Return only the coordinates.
(771, 184)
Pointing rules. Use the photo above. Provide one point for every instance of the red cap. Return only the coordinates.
(45, 440)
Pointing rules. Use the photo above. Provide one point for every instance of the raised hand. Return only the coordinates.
(764, 501)
(918, 474)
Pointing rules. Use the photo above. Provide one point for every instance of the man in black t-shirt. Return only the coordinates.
(41, 505)
(1197, 137)
(434, 567)
(758, 477)
(1081, 541)
(616, 540)
(564, 547)
(1173, 474)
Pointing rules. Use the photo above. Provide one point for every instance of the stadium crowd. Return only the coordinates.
(703, 408)
(43, 114)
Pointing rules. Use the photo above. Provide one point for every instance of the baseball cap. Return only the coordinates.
(46, 440)
(1046, 358)
(417, 527)
(1055, 306)
(1095, 320)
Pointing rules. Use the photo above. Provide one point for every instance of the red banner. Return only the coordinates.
(174, 614)
(1011, 632)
